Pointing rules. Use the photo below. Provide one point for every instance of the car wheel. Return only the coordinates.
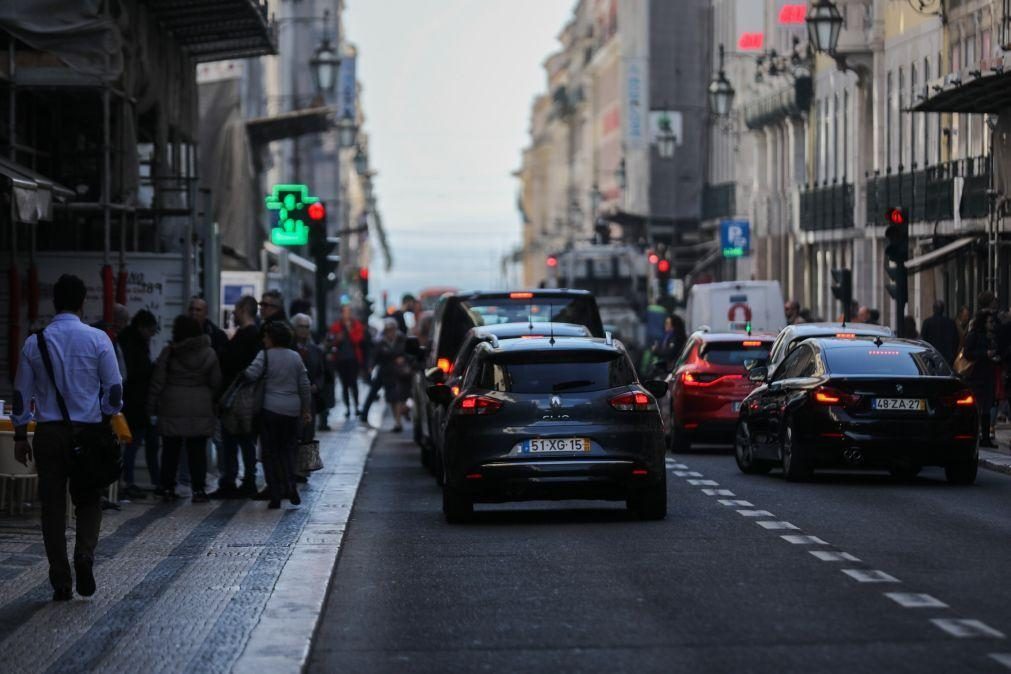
(416, 433)
(795, 462)
(426, 457)
(681, 440)
(905, 472)
(651, 502)
(437, 466)
(963, 472)
(456, 507)
(744, 453)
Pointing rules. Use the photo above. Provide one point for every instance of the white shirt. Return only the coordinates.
(86, 372)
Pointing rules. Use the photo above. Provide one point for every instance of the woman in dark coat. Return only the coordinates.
(135, 343)
(184, 388)
(980, 350)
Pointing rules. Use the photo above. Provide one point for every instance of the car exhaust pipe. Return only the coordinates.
(853, 456)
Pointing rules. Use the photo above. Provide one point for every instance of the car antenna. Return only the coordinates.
(551, 323)
(530, 317)
(878, 342)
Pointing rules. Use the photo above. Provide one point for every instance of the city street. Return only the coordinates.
(850, 572)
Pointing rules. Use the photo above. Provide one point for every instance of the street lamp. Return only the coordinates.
(346, 131)
(721, 92)
(325, 61)
(666, 139)
(361, 161)
(824, 23)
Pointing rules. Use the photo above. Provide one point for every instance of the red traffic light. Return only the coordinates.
(663, 266)
(552, 261)
(653, 258)
(896, 216)
(316, 211)
(363, 273)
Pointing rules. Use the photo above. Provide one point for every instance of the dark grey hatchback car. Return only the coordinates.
(547, 419)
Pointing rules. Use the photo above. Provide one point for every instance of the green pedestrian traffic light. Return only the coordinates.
(295, 211)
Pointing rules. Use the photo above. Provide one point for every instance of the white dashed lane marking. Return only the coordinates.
(776, 525)
(829, 556)
(717, 492)
(687, 473)
(803, 540)
(704, 483)
(1002, 658)
(913, 600)
(963, 628)
(755, 513)
(865, 576)
(736, 502)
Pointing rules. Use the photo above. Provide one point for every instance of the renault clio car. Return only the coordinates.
(552, 419)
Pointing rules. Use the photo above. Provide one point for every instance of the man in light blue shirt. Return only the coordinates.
(87, 376)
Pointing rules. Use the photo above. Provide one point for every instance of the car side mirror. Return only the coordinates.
(758, 374)
(440, 395)
(412, 347)
(750, 363)
(435, 375)
(656, 388)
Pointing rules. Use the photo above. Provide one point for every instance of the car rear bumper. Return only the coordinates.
(556, 479)
(856, 450)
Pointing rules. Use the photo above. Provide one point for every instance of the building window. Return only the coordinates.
(913, 137)
(927, 146)
(817, 141)
(835, 137)
(845, 133)
(899, 121)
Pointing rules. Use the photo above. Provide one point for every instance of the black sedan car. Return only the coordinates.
(552, 419)
(838, 403)
(790, 337)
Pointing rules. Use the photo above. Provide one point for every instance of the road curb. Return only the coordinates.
(281, 641)
(996, 466)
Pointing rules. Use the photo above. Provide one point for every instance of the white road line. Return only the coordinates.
(962, 628)
(803, 540)
(1002, 658)
(767, 524)
(865, 576)
(687, 473)
(913, 600)
(677, 466)
(717, 492)
(829, 556)
(735, 502)
(704, 483)
(754, 513)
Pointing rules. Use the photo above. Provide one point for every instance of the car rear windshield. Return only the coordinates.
(556, 372)
(581, 310)
(736, 353)
(886, 360)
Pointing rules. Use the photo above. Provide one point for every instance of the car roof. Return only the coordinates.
(507, 294)
(549, 344)
(831, 343)
(524, 328)
(814, 329)
(734, 336)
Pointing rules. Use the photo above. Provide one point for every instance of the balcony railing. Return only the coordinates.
(718, 201)
(928, 195)
(826, 207)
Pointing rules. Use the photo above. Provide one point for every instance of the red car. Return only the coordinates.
(708, 384)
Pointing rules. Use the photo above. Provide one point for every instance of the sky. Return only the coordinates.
(447, 87)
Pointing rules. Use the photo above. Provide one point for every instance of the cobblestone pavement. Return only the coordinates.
(183, 587)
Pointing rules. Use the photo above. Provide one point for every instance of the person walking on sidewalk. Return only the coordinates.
(83, 363)
(348, 354)
(135, 342)
(235, 358)
(942, 333)
(391, 366)
(197, 310)
(287, 401)
(980, 350)
(184, 387)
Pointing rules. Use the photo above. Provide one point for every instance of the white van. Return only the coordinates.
(737, 305)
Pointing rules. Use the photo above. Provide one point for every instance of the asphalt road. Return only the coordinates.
(714, 588)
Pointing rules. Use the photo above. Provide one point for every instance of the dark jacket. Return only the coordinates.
(219, 340)
(942, 333)
(387, 355)
(239, 352)
(312, 357)
(184, 388)
(976, 347)
(137, 354)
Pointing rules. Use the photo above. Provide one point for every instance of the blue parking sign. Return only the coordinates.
(735, 238)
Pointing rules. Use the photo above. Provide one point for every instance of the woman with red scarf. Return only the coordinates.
(347, 355)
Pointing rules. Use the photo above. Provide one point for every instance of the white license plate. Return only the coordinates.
(548, 445)
(735, 407)
(900, 404)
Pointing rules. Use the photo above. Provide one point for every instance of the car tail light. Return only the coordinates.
(707, 378)
(826, 395)
(520, 296)
(960, 399)
(634, 401)
(751, 343)
(455, 390)
(845, 335)
(478, 404)
(444, 365)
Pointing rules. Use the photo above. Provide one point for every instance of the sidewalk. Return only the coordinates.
(225, 586)
(998, 459)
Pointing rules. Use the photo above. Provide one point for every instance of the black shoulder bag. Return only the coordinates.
(96, 458)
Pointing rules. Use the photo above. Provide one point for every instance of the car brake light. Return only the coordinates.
(753, 342)
(531, 336)
(882, 352)
(846, 335)
(455, 390)
(478, 404)
(520, 296)
(640, 472)
(965, 401)
(444, 365)
(707, 378)
(634, 401)
(824, 395)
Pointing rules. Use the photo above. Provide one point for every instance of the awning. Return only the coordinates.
(790, 101)
(939, 255)
(263, 130)
(33, 192)
(969, 91)
(214, 30)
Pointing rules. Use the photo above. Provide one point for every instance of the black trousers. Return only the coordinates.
(279, 435)
(52, 448)
(347, 370)
(196, 457)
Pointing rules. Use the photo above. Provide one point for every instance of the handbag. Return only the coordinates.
(242, 402)
(962, 365)
(308, 459)
(96, 458)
